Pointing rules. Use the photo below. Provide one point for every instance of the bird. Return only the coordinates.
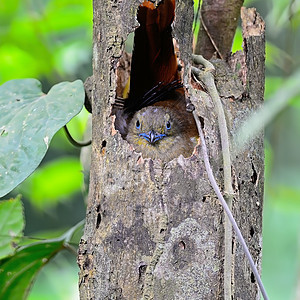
(153, 118)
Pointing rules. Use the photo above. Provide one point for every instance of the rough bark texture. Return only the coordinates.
(219, 18)
(153, 230)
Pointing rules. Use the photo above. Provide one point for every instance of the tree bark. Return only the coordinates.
(154, 230)
(219, 19)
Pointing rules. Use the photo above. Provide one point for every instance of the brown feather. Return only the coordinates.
(153, 58)
(156, 92)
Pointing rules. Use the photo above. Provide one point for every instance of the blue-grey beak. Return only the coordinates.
(152, 136)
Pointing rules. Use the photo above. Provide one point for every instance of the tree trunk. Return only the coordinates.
(219, 21)
(154, 230)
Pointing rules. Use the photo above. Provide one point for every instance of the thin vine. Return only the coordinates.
(206, 76)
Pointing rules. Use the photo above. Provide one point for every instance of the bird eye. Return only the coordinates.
(168, 125)
(137, 124)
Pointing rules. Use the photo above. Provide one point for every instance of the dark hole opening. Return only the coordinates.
(98, 220)
(254, 175)
(182, 245)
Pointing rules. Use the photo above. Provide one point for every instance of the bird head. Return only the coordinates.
(159, 133)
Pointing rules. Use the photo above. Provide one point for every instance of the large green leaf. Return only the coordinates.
(11, 225)
(28, 121)
(18, 272)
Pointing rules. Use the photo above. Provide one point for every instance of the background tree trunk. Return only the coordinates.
(219, 19)
(153, 230)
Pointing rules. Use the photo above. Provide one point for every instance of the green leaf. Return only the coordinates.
(74, 234)
(28, 121)
(18, 272)
(11, 225)
(53, 182)
(49, 284)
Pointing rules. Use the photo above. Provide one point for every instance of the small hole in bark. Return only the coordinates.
(252, 278)
(161, 230)
(98, 220)
(202, 122)
(203, 198)
(254, 175)
(103, 145)
(83, 242)
(221, 169)
(142, 270)
(181, 245)
(86, 264)
(252, 231)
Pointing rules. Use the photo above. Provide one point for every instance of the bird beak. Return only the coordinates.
(152, 136)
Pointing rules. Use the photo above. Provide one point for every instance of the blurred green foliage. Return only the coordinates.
(49, 284)
(54, 181)
(19, 270)
(51, 41)
(45, 39)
